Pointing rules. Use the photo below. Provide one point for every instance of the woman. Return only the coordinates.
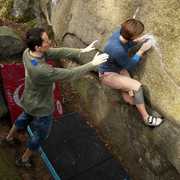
(114, 72)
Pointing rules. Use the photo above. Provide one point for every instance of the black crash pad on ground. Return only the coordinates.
(77, 154)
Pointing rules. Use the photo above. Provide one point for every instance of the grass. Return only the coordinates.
(7, 169)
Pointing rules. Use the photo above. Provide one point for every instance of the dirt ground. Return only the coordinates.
(71, 103)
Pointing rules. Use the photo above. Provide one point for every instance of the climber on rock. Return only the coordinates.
(114, 72)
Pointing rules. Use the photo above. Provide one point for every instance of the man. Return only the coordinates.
(114, 72)
(37, 99)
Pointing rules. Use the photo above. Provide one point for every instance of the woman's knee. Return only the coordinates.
(138, 96)
(127, 98)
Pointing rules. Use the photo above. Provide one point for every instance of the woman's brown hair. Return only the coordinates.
(131, 29)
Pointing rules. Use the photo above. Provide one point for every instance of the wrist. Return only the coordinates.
(83, 50)
(93, 63)
(140, 52)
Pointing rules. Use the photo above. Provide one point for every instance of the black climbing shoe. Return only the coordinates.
(153, 121)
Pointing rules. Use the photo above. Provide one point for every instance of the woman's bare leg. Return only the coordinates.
(142, 109)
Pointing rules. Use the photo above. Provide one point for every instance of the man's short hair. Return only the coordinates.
(131, 29)
(34, 38)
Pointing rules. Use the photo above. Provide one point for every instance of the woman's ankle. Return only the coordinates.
(146, 118)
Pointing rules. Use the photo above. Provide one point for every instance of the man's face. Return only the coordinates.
(46, 43)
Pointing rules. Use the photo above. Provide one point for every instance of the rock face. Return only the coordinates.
(144, 150)
(19, 10)
(29, 11)
(77, 24)
(3, 107)
(25, 11)
(10, 42)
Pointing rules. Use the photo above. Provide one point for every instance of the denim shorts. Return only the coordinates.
(42, 128)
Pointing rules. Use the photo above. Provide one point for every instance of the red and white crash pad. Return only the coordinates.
(13, 76)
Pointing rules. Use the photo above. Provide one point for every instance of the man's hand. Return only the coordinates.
(141, 39)
(90, 47)
(98, 59)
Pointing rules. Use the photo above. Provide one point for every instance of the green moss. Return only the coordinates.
(51, 35)
(2, 3)
(27, 16)
(83, 87)
(8, 5)
(156, 138)
(30, 25)
(31, 2)
(7, 169)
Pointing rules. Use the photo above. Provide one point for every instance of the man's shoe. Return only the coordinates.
(15, 141)
(28, 165)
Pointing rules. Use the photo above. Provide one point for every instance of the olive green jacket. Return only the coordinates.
(38, 98)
